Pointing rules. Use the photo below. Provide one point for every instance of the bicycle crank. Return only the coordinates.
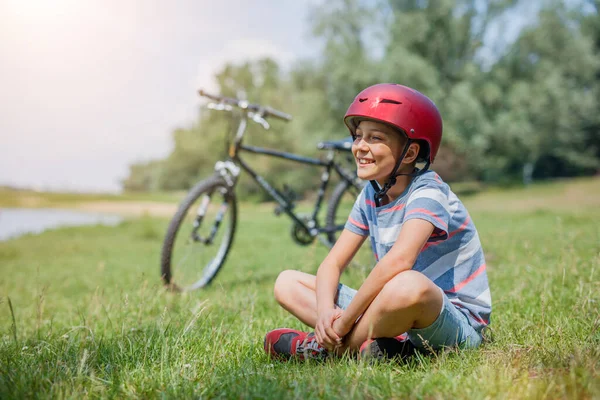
(300, 234)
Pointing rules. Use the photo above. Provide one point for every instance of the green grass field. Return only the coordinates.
(83, 313)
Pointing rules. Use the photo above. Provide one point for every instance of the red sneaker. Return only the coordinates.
(287, 343)
(387, 348)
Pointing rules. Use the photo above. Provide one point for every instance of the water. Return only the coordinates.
(19, 221)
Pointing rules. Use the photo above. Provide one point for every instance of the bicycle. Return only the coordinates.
(212, 222)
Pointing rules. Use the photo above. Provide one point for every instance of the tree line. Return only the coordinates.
(513, 110)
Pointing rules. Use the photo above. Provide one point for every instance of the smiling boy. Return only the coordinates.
(429, 288)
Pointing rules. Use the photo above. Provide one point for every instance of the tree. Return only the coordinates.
(347, 62)
(143, 177)
(429, 45)
(511, 109)
(548, 87)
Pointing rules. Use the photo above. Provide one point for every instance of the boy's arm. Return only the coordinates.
(328, 278)
(328, 275)
(401, 257)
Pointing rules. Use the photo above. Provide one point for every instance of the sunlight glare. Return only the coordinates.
(40, 9)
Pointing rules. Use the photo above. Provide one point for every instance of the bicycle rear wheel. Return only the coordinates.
(342, 200)
(199, 236)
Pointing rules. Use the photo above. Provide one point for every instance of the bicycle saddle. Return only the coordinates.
(343, 144)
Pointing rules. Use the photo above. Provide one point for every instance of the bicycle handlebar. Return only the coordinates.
(265, 111)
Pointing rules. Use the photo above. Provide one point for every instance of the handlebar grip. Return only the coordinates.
(219, 99)
(201, 92)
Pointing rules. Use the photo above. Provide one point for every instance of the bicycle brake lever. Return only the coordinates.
(259, 120)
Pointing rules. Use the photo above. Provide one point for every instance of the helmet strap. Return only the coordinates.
(391, 181)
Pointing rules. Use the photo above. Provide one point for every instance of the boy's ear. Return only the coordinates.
(413, 153)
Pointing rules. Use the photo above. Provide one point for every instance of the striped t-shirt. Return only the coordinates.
(452, 258)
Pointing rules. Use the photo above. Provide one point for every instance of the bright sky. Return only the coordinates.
(88, 87)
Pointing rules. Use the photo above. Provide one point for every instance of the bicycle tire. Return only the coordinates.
(340, 204)
(334, 215)
(209, 271)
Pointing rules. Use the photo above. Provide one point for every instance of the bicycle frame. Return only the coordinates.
(286, 205)
(305, 229)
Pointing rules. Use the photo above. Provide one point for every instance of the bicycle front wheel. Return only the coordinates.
(199, 236)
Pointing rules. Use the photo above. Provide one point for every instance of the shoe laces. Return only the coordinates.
(310, 348)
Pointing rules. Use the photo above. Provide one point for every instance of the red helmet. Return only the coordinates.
(401, 107)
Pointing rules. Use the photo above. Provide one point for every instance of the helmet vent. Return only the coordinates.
(389, 101)
(362, 100)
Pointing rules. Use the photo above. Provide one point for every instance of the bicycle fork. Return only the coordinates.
(229, 171)
(200, 216)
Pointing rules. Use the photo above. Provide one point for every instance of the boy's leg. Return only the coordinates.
(296, 292)
(409, 300)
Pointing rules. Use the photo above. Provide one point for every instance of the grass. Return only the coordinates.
(83, 314)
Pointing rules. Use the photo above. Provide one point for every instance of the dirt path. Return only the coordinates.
(130, 208)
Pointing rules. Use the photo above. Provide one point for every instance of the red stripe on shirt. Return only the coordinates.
(425, 211)
(469, 279)
(395, 208)
(358, 224)
(460, 228)
(370, 203)
(454, 232)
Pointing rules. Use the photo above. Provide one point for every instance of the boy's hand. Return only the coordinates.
(340, 327)
(324, 331)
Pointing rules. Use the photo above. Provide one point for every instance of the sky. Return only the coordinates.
(88, 87)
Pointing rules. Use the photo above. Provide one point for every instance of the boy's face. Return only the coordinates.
(375, 150)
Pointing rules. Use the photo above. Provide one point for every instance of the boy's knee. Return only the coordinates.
(282, 286)
(407, 289)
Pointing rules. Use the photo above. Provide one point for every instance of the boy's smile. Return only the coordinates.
(364, 161)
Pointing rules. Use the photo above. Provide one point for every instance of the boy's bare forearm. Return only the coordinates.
(328, 277)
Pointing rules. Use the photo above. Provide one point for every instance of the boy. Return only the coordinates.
(429, 288)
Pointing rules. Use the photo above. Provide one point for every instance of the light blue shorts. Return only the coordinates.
(450, 329)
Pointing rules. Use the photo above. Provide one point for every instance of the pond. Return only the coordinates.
(19, 221)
